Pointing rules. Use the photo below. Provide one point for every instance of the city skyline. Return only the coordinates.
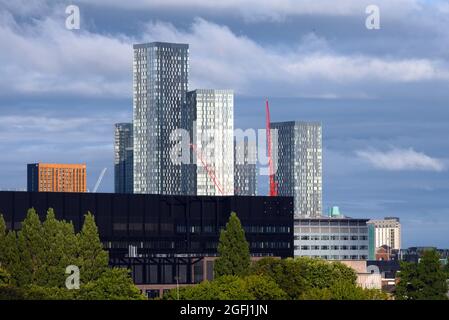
(384, 144)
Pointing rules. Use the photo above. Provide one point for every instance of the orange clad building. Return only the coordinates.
(45, 177)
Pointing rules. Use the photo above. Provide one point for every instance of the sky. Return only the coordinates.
(381, 95)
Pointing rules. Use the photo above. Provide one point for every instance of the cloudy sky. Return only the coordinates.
(381, 95)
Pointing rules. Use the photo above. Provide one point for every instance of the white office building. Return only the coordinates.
(387, 232)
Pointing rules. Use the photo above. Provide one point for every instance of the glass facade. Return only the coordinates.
(160, 80)
(123, 160)
(208, 116)
(332, 238)
(159, 237)
(299, 165)
(245, 167)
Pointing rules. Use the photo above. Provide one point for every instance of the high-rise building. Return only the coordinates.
(387, 232)
(45, 177)
(245, 167)
(298, 165)
(123, 162)
(160, 78)
(208, 116)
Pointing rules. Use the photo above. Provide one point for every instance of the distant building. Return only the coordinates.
(123, 161)
(45, 177)
(414, 254)
(245, 168)
(298, 172)
(208, 116)
(387, 232)
(160, 79)
(331, 238)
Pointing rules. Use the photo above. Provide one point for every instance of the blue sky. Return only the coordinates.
(382, 95)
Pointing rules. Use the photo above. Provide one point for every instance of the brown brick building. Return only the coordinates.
(45, 177)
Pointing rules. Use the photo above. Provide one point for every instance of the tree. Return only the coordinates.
(113, 284)
(297, 276)
(425, 280)
(5, 277)
(264, 288)
(94, 259)
(343, 290)
(34, 260)
(30, 244)
(230, 288)
(60, 243)
(2, 239)
(233, 250)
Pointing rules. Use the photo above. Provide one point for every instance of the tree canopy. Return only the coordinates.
(233, 250)
(34, 261)
(425, 280)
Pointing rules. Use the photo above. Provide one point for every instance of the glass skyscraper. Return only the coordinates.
(245, 167)
(298, 165)
(208, 116)
(123, 162)
(160, 79)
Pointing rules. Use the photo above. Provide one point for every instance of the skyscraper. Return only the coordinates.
(48, 177)
(208, 116)
(160, 78)
(123, 162)
(298, 169)
(245, 167)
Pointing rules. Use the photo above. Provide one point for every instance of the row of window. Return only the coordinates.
(333, 247)
(333, 238)
(339, 257)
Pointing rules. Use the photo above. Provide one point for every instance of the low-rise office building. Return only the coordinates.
(335, 237)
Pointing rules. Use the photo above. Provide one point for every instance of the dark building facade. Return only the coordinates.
(123, 158)
(164, 239)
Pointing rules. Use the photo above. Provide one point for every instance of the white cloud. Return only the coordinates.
(274, 10)
(401, 159)
(43, 57)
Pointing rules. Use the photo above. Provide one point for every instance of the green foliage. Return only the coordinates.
(30, 244)
(10, 292)
(35, 292)
(230, 288)
(264, 288)
(113, 284)
(343, 290)
(233, 250)
(5, 277)
(33, 262)
(425, 280)
(93, 258)
(60, 243)
(297, 276)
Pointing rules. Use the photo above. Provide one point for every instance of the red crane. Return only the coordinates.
(209, 171)
(273, 187)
